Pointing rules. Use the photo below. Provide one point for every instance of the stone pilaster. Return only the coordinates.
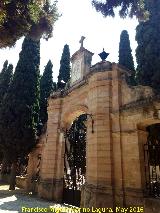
(126, 150)
(51, 180)
(117, 154)
(99, 174)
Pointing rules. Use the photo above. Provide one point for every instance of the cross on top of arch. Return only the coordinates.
(81, 41)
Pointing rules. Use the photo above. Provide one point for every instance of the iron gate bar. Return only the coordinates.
(152, 168)
(74, 161)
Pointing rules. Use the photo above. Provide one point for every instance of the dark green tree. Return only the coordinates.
(2, 73)
(126, 7)
(19, 113)
(29, 17)
(64, 71)
(46, 87)
(5, 79)
(5, 65)
(125, 56)
(147, 52)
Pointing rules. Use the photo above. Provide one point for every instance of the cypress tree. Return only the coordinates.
(46, 87)
(5, 79)
(147, 52)
(125, 56)
(5, 65)
(20, 107)
(64, 71)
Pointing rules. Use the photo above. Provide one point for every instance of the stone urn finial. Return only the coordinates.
(103, 55)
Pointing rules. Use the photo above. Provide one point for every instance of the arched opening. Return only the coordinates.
(152, 160)
(75, 160)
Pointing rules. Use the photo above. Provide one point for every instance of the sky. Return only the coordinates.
(79, 18)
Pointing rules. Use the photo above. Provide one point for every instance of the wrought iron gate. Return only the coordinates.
(152, 166)
(75, 161)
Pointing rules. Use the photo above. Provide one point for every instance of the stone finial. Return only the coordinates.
(103, 55)
(81, 41)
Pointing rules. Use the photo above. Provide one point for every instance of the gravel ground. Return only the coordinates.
(19, 201)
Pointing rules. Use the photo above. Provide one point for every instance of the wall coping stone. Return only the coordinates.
(139, 103)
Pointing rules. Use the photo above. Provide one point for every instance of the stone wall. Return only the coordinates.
(32, 182)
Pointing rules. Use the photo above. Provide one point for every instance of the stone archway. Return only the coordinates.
(91, 96)
(72, 113)
(70, 196)
(114, 175)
